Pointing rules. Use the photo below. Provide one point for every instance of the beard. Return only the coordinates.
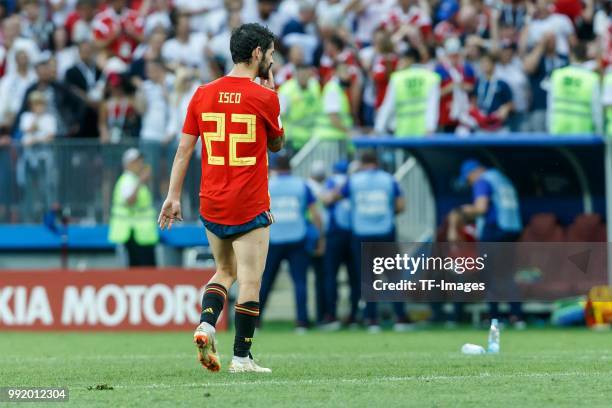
(263, 70)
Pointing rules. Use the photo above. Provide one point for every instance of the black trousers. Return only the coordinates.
(140, 255)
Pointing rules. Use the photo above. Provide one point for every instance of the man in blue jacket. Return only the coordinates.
(338, 249)
(291, 236)
(496, 209)
(375, 199)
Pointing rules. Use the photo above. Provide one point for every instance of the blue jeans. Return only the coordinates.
(297, 256)
(338, 251)
(370, 313)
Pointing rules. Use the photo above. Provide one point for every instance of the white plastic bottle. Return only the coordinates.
(493, 347)
(473, 349)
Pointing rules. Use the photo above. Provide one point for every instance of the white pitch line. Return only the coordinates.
(584, 355)
(126, 357)
(362, 380)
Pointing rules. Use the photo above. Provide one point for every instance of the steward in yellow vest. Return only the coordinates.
(132, 221)
(607, 102)
(412, 100)
(574, 102)
(334, 120)
(300, 99)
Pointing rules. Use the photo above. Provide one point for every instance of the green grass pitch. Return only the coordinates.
(537, 368)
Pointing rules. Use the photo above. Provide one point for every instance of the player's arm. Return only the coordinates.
(181, 162)
(171, 209)
(274, 126)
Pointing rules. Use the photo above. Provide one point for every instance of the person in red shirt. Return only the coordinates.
(79, 21)
(336, 52)
(384, 64)
(118, 30)
(237, 119)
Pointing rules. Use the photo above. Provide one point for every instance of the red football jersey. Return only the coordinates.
(235, 118)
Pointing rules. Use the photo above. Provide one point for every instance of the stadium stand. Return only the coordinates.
(82, 81)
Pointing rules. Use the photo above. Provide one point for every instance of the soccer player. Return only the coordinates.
(236, 118)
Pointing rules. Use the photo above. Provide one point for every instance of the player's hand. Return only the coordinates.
(170, 212)
(269, 83)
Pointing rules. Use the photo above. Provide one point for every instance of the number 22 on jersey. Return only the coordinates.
(234, 138)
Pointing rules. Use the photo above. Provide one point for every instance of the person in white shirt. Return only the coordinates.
(65, 55)
(543, 21)
(186, 82)
(36, 168)
(152, 101)
(185, 85)
(11, 30)
(37, 125)
(13, 87)
(186, 48)
(510, 68)
(60, 10)
(264, 12)
(368, 16)
(199, 11)
(218, 48)
(157, 14)
(332, 12)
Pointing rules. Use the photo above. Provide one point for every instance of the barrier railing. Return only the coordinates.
(326, 151)
(78, 177)
(418, 222)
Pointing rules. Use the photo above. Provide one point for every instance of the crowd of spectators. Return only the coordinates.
(118, 68)
(121, 70)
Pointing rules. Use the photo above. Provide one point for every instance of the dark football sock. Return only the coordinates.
(245, 318)
(212, 303)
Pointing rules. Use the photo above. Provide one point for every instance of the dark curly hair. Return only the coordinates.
(246, 38)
